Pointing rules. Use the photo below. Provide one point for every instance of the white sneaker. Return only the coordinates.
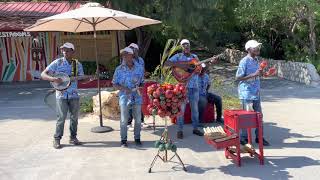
(130, 127)
(145, 125)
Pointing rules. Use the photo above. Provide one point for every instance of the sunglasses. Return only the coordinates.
(67, 50)
(186, 45)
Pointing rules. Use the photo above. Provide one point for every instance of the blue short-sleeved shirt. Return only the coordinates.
(139, 61)
(193, 81)
(62, 65)
(249, 89)
(130, 78)
(204, 81)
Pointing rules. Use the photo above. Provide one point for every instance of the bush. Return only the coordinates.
(318, 68)
(89, 68)
(106, 71)
(112, 64)
(86, 105)
(316, 64)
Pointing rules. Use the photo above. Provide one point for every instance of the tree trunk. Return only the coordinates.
(296, 39)
(143, 40)
(312, 34)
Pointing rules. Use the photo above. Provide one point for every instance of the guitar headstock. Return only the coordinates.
(219, 56)
(213, 59)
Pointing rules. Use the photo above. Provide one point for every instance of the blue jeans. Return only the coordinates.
(136, 112)
(256, 106)
(63, 106)
(212, 99)
(193, 97)
(131, 117)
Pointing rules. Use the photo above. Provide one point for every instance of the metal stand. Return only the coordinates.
(101, 128)
(165, 137)
(154, 123)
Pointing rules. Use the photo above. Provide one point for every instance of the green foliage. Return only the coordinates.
(206, 23)
(283, 26)
(316, 62)
(318, 67)
(112, 64)
(89, 68)
(162, 73)
(86, 105)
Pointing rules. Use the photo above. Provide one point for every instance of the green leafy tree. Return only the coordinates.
(287, 24)
(207, 23)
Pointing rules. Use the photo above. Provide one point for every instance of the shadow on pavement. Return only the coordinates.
(276, 167)
(109, 144)
(276, 136)
(197, 170)
(280, 134)
(276, 89)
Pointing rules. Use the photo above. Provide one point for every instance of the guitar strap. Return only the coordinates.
(181, 54)
(74, 67)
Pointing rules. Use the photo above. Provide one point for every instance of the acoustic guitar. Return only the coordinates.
(193, 66)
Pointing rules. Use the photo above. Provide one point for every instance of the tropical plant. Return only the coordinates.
(112, 64)
(89, 67)
(86, 105)
(162, 73)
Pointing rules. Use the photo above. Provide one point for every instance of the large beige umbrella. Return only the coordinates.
(92, 17)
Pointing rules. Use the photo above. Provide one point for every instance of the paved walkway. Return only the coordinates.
(26, 127)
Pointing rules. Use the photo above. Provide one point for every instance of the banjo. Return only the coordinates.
(66, 80)
(50, 97)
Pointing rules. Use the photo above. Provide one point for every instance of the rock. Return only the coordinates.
(234, 56)
(313, 72)
(109, 104)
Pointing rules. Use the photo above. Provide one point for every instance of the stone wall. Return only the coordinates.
(294, 71)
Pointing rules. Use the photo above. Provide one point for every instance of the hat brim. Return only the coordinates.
(125, 52)
(134, 47)
(61, 47)
(257, 45)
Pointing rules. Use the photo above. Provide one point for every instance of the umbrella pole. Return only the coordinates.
(101, 128)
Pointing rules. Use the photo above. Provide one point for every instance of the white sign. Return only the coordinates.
(14, 34)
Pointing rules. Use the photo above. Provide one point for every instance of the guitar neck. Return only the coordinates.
(205, 61)
(209, 59)
(84, 77)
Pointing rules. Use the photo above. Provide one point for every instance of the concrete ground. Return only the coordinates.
(291, 116)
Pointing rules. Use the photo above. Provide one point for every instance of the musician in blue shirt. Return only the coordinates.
(192, 88)
(128, 78)
(248, 75)
(137, 59)
(140, 62)
(208, 97)
(67, 100)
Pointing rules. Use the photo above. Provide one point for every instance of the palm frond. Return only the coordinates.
(164, 73)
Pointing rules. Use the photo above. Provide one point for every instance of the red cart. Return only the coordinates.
(234, 121)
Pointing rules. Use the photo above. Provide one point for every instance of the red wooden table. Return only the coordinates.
(234, 121)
